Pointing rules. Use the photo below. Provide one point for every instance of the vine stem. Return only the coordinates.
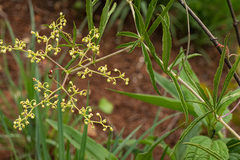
(195, 93)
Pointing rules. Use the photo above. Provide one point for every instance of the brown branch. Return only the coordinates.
(235, 21)
(211, 37)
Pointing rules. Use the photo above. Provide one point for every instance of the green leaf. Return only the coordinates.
(181, 97)
(147, 39)
(65, 38)
(159, 19)
(234, 146)
(166, 84)
(218, 74)
(150, 11)
(178, 60)
(159, 101)
(106, 13)
(143, 135)
(166, 44)
(149, 67)
(205, 148)
(124, 45)
(89, 10)
(197, 86)
(148, 155)
(125, 140)
(134, 45)
(128, 34)
(82, 150)
(105, 106)
(74, 33)
(75, 137)
(188, 129)
(234, 156)
(64, 45)
(228, 78)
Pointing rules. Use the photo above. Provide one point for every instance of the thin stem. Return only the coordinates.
(212, 38)
(231, 110)
(235, 21)
(100, 59)
(55, 62)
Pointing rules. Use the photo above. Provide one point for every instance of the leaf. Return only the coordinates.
(106, 13)
(105, 106)
(205, 148)
(166, 44)
(159, 101)
(181, 97)
(228, 78)
(65, 38)
(74, 137)
(150, 11)
(149, 67)
(89, 11)
(64, 45)
(146, 38)
(148, 155)
(234, 146)
(134, 45)
(126, 44)
(74, 33)
(234, 156)
(144, 134)
(218, 74)
(128, 34)
(188, 129)
(178, 60)
(159, 19)
(166, 84)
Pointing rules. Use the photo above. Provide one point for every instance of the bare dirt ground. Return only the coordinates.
(128, 113)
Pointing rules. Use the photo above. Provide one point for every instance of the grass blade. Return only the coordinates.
(8, 134)
(85, 130)
(144, 134)
(60, 123)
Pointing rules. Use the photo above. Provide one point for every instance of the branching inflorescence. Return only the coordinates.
(79, 53)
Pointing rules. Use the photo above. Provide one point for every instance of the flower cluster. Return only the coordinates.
(50, 97)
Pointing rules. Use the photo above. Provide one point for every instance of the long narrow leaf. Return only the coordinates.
(187, 130)
(89, 10)
(128, 34)
(150, 11)
(60, 124)
(159, 20)
(181, 97)
(167, 44)
(125, 140)
(228, 78)
(218, 74)
(159, 101)
(149, 67)
(148, 154)
(85, 130)
(144, 134)
(147, 39)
